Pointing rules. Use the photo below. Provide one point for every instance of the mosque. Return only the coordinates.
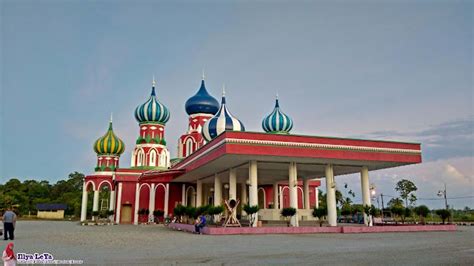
(218, 160)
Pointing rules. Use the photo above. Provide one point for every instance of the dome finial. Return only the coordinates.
(111, 116)
(223, 93)
(203, 75)
(153, 82)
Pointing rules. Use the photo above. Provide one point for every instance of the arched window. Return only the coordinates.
(189, 147)
(141, 158)
(163, 159)
(153, 157)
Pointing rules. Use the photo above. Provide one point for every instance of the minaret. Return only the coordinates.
(200, 108)
(150, 150)
(108, 148)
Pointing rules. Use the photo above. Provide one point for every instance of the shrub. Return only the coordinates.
(158, 213)
(444, 214)
(423, 212)
(179, 211)
(398, 211)
(288, 213)
(320, 213)
(251, 212)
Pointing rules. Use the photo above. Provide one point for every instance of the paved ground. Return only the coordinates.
(152, 245)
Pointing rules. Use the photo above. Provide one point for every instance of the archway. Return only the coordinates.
(190, 198)
(261, 198)
(143, 204)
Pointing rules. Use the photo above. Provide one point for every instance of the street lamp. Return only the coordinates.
(442, 193)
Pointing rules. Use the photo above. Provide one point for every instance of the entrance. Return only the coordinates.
(126, 213)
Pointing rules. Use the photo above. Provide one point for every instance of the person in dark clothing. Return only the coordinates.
(200, 223)
(9, 222)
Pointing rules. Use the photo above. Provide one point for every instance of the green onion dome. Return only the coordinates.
(109, 144)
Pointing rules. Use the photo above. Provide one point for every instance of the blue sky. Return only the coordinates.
(394, 70)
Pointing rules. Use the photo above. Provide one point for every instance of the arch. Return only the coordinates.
(143, 203)
(160, 192)
(105, 181)
(142, 185)
(160, 184)
(190, 199)
(261, 198)
(152, 155)
(189, 146)
(163, 159)
(285, 193)
(141, 158)
(88, 183)
(300, 197)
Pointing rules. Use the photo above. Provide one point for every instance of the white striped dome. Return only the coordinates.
(277, 121)
(222, 121)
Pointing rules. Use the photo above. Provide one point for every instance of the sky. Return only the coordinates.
(394, 70)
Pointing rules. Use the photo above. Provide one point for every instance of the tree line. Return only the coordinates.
(23, 196)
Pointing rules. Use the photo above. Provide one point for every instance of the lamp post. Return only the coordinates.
(442, 193)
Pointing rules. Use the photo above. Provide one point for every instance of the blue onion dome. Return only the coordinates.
(109, 144)
(277, 121)
(152, 110)
(202, 102)
(222, 121)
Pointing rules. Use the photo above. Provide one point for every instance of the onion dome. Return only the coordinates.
(202, 102)
(109, 144)
(277, 121)
(152, 110)
(222, 121)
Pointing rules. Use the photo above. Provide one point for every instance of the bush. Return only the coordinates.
(216, 210)
(158, 213)
(251, 212)
(320, 213)
(179, 211)
(444, 214)
(423, 212)
(288, 213)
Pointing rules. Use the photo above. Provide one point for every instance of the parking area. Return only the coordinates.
(155, 244)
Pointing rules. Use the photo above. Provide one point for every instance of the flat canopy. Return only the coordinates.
(274, 152)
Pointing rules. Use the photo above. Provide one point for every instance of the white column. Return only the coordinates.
(275, 196)
(95, 205)
(243, 187)
(112, 200)
(167, 199)
(292, 185)
(151, 203)
(198, 193)
(137, 203)
(306, 193)
(119, 203)
(183, 195)
(331, 196)
(253, 188)
(84, 203)
(233, 184)
(364, 183)
(217, 190)
(281, 197)
(316, 195)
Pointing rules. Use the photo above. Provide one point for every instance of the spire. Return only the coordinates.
(276, 101)
(153, 83)
(203, 75)
(223, 93)
(111, 116)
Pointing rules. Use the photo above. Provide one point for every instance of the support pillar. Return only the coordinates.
(84, 203)
(233, 184)
(275, 196)
(112, 200)
(364, 183)
(253, 188)
(217, 190)
(167, 199)
(331, 196)
(151, 203)
(316, 196)
(137, 202)
(281, 197)
(95, 205)
(183, 195)
(306, 193)
(119, 203)
(292, 185)
(198, 193)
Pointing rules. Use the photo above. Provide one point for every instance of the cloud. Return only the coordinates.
(446, 140)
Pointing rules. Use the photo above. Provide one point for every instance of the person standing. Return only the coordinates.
(9, 222)
(8, 256)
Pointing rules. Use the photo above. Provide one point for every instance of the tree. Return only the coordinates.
(398, 211)
(444, 214)
(423, 212)
(406, 188)
(288, 213)
(395, 202)
(251, 212)
(215, 212)
(320, 213)
(179, 211)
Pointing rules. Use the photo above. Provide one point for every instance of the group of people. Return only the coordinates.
(9, 222)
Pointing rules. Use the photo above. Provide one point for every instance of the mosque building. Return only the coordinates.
(218, 160)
